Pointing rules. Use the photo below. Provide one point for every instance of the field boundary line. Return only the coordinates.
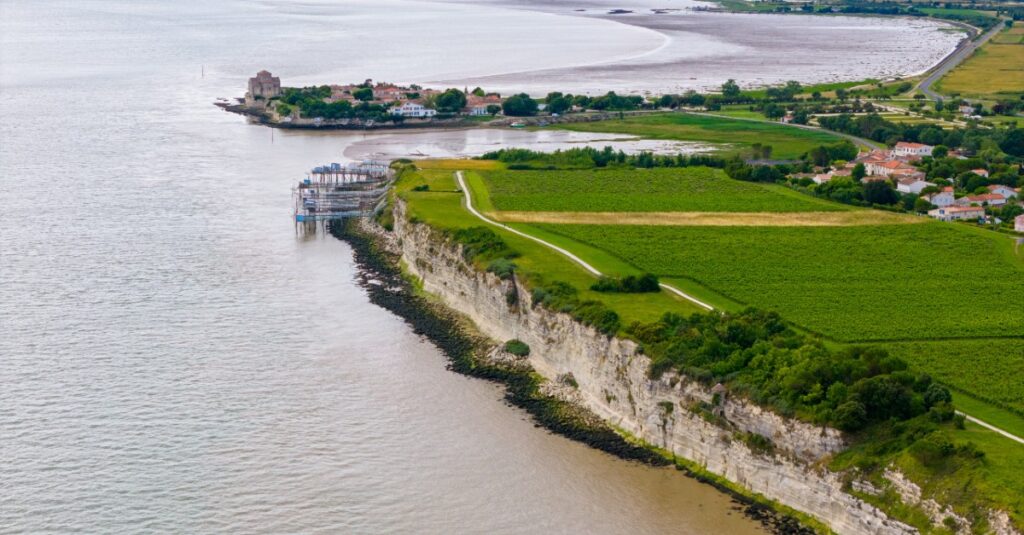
(594, 271)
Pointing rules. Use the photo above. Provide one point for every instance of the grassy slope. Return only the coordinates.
(642, 190)
(787, 142)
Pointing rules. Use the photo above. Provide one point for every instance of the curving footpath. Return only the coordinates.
(669, 288)
(564, 252)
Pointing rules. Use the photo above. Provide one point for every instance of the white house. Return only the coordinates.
(413, 109)
(941, 199)
(1018, 223)
(919, 150)
(911, 185)
(1005, 191)
(956, 213)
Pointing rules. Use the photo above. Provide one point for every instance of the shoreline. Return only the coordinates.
(379, 273)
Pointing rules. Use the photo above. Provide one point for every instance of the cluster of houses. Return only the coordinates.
(889, 165)
(409, 101)
(406, 101)
(895, 166)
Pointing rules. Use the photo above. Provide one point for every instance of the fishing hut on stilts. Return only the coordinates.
(335, 191)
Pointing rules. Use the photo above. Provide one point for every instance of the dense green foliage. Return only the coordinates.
(517, 348)
(632, 284)
(451, 101)
(589, 157)
(482, 244)
(563, 297)
(640, 190)
(911, 281)
(310, 101)
(758, 355)
(520, 105)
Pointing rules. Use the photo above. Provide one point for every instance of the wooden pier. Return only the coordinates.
(336, 191)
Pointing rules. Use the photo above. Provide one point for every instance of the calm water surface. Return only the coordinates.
(173, 358)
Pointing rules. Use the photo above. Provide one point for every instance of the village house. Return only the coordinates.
(957, 213)
(980, 172)
(822, 178)
(987, 199)
(1018, 223)
(477, 106)
(874, 178)
(942, 198)
(874, 156)
(388, 92)
(1005, 191)
(262, 87)
(413, 109)
(912, 185)
(914, 150)
(889, 168)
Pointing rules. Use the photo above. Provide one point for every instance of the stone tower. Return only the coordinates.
(264, 86)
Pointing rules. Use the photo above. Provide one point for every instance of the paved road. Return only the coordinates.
(963, 52)
(594, 271)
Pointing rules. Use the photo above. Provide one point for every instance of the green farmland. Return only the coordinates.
(944, 298)
(852, 284)
(642, 190)
(737, 134)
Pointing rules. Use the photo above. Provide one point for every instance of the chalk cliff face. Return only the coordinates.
(674, 413)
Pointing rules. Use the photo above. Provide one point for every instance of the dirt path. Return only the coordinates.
(594, 271)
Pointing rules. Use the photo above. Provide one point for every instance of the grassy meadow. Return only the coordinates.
(642, 190)
(441, 206)
(994, 70)
(927, 280)
(736, 134)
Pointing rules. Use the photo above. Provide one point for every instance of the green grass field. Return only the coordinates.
(991, 370)
(853, 284)
(994, 70)
(441, 206)
(787, 142)
(920, 282)
(642, 190)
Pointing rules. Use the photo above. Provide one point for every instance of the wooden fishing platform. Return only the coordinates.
(336, 191)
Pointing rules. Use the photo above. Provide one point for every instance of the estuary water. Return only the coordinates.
(175, 358)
